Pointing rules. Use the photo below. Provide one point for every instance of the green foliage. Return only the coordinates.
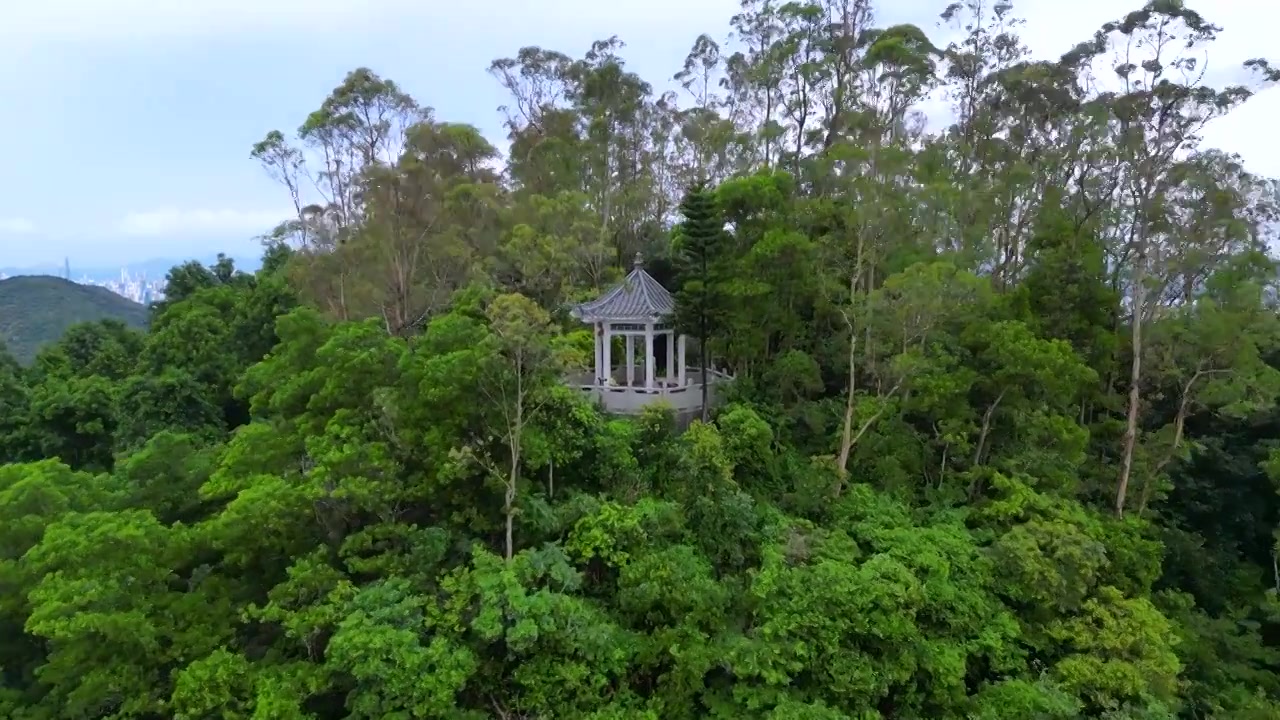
(353, 485)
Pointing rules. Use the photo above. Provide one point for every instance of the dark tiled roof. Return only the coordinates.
(639, 297)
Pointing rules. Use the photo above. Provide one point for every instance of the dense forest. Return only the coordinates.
(1003, 440)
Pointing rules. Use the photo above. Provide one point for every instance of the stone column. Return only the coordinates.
(631, 360)
(648, 356)
(671, 355)
(606, 353)
(680, 368)
(598, 344)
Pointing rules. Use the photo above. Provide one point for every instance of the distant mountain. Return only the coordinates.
(36, 310)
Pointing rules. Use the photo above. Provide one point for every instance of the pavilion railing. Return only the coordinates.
(665, 385)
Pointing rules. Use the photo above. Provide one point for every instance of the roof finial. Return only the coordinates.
(638, 263)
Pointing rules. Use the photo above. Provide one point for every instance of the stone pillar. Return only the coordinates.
(631, 360)
(682, 362)
(606, 353)
(671, 355)
(598, 344)
(648, 356)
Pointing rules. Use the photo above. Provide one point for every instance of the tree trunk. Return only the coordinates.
(846, 432)
(1179, 429)
(702, 368)
(1275, 569)
(509, 503)
(986, 429)
(508, 509)
(514, 437)
(866, 425)
(1135, 377)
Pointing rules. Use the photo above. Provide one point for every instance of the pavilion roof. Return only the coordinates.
(638, 298)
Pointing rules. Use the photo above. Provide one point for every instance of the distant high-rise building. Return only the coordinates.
(66, 268)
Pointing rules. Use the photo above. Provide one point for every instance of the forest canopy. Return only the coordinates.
(1002, 441)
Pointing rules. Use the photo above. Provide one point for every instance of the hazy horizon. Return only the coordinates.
(56, 268)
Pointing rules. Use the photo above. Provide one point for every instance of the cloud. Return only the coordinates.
(171, 221)
(16, 226)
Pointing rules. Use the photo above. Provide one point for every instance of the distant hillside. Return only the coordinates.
(36, 310)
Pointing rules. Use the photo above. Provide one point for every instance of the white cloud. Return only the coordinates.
(16, 226)
(171, 221)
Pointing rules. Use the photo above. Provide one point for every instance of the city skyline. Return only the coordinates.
(150, 266)
(144, 286)
(138, 288)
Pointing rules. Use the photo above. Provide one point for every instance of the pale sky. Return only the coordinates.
(127, 124)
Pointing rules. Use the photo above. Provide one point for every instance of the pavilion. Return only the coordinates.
(639, 309)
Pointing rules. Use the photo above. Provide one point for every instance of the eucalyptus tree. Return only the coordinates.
(1159, 112)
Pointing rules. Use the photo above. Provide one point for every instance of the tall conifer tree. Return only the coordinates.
(700, 299)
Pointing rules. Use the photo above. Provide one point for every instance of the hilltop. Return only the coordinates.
(37, 309)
